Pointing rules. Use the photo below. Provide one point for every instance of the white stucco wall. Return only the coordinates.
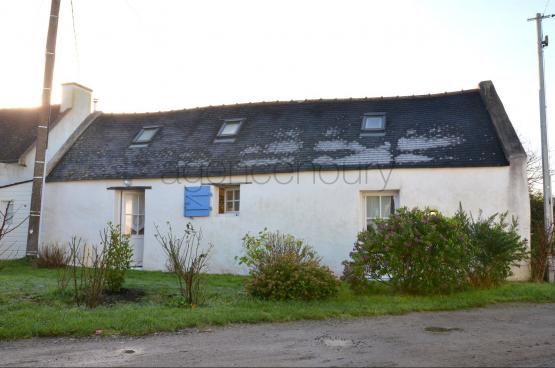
(325, 209)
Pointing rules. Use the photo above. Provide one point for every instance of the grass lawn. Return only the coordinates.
(31, 306)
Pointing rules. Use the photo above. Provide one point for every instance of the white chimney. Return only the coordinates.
(76, 97)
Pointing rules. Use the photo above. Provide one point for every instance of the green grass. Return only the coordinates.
(31, 306)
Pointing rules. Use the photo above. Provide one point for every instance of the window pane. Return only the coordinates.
(237, 194)
(237, 206)
(146, 135)
(128, 204)
(372, 207)
(230, 128)
(128, 221)
(135, 199)
(140, 224)
(387, 202)
(141, 205)
(229, 206)
(373, 122)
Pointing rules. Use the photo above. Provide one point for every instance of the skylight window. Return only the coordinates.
(373, 122)
(230, 128)
(145, 136)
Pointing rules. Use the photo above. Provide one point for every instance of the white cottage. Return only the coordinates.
(318, 169)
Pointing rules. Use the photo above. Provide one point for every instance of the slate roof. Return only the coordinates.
(18, 130)
(445, 130)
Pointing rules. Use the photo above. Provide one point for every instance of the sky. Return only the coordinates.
(145, 55)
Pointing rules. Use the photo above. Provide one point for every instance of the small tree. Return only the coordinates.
(119, 255)
(186, 259)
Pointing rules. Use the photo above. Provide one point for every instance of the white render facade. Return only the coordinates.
(326, 209)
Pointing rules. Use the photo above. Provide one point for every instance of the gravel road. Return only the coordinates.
(500, 335)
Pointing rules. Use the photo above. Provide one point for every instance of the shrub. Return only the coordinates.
(541, 243)
(119, 255)
(93, 269)
(417, 251)
(85, 273)
(282, 267)
(187, 260)
(495, 245)
(52, 256)
(425, 252)
(540, 251)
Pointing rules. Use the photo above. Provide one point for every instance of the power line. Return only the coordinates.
(75, 40)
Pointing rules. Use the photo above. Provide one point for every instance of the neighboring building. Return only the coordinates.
(318, 169)
(18, 130)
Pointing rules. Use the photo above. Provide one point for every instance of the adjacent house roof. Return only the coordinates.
(443, 130)
(18, 130)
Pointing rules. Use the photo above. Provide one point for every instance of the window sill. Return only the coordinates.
(229, 214)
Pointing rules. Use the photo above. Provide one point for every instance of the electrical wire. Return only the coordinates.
(76, 45)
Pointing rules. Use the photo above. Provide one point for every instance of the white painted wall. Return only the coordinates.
(74, 97)
(325, 209)
(14, 243)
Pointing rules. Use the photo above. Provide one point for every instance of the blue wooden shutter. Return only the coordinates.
(197, 201)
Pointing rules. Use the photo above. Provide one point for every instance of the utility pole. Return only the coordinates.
(42, 134)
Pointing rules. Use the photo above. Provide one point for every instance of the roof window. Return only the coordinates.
(145, 136)
(230, 128)
(373, 122)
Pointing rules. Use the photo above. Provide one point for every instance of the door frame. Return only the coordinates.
(119, 214)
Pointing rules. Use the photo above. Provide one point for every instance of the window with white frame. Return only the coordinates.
(378, 207)
(230, 198)
(6, 212)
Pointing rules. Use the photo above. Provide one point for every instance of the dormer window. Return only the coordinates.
(373, 122)
(145, 136)
(230, 128)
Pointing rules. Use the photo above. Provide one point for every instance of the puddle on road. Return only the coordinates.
(442, 329)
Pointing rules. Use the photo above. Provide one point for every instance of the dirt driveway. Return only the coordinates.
(501, 335)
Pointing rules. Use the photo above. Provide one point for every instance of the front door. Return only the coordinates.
(133, 223)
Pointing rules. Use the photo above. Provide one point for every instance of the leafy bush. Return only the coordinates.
(187, 260)
(496, 246)
(425, 252)
(417, 251)
(52, 256)
(282, 267)
(541, 244)
(119, 255)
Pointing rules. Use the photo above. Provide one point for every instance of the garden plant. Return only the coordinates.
(283, 267)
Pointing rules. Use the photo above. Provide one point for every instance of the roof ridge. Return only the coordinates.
(28, 108)
(315, 100)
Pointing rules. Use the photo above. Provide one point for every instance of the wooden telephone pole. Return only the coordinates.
(42, 134)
